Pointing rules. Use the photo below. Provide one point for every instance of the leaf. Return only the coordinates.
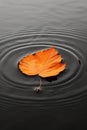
(44, 63)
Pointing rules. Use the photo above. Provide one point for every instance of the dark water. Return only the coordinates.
(25, 27)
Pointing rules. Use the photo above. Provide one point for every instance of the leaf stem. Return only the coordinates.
(38, 88)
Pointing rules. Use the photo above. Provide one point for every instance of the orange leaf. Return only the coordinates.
(44, 63)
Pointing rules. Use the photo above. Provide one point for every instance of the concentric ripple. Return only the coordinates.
(69, 86)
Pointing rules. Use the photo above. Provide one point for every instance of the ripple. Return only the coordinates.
(67, 89)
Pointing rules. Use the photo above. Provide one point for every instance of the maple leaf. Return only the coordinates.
(45, 63)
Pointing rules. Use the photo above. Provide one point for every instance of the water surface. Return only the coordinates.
(26, 27)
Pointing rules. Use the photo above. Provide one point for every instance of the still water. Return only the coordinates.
(27, 26)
